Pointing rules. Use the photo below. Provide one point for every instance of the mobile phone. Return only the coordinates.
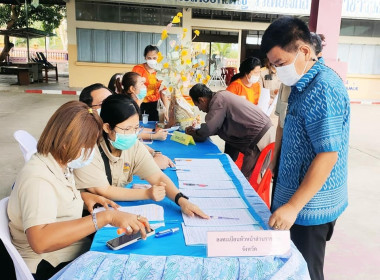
(125, 240)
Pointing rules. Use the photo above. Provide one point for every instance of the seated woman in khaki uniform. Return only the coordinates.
(45, 207)
(120, 156)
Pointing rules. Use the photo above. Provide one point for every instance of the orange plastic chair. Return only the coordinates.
(264, 187)
(256, 173)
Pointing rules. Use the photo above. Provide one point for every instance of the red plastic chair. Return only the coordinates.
(239, 160)
(256, 173)
(230, 72)
(264, 187)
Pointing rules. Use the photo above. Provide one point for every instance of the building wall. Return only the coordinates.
(84, 73)
(362, 86)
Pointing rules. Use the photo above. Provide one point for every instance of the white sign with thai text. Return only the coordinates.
(248, 243)
(367, 9)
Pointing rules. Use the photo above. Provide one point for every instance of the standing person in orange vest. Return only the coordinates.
(246, 82)
(147, 70)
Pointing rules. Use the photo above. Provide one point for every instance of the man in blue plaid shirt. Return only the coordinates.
(311, 188)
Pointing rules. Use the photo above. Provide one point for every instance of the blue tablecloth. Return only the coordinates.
(169, 257)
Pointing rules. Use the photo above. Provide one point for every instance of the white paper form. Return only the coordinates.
(197, 162)
(153, 212)
(207, 185)
(206, 176)
(221, 217)
(200, 168)
(198, 235)
(211, 193)
(219, 203)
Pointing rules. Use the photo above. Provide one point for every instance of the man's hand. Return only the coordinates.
(157, 192)
(91, 199)
(163, 161)
(283, 218)
(190, 130)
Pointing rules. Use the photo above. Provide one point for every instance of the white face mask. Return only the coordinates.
(98, 110)
(253, 79)
(288, 74)
(152, 63)
(79, 162)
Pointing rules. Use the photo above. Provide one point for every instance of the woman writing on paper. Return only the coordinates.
(45, 207)
(120, 156)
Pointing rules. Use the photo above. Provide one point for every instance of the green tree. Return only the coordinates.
(222, 49)
(48, 17)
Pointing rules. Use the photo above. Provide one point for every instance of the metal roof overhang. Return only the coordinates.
(26, 33)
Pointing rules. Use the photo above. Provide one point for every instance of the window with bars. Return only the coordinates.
(362, 28)
(124, 13)
(361, 59)
(108, 46)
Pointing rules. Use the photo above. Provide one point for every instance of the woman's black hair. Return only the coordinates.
(317, 42)
(116, 109)
(246, 67)
(115, 83)
(85, 95)
(150, 48)
(129, 79)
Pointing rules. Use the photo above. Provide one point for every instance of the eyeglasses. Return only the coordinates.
(130, 129)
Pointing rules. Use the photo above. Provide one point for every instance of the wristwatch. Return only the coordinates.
(178, 196)
(155, 153)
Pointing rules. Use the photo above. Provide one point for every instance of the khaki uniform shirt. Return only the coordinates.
(271, 83)
(43, 195)
(134, 161)
(282, 104)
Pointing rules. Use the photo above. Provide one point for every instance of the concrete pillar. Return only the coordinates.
(325, 18)
(186, 23)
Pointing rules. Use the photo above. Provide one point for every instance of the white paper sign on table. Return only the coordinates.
(198, 235)
(221, 217)
(248, 243)
(219, 202)
(211, 193)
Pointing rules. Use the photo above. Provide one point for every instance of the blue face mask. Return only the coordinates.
(142, 93)
(81, 162)
(124, 141)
